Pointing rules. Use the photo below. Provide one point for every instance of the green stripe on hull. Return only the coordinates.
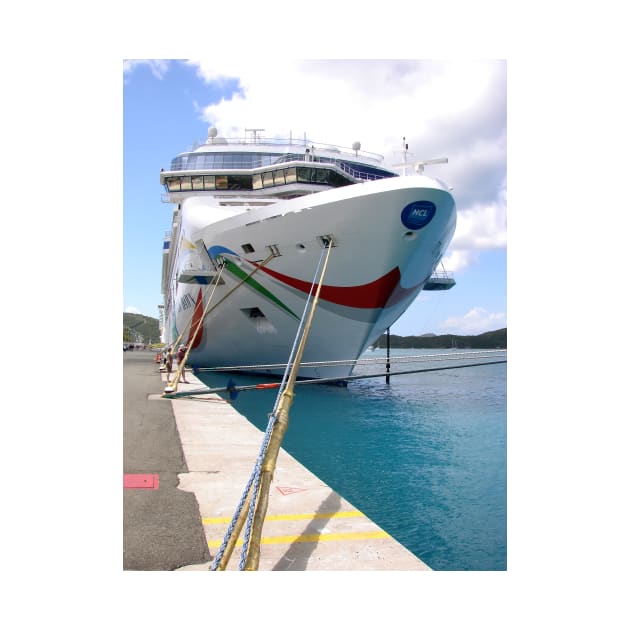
(239, 273)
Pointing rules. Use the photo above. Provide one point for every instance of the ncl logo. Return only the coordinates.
(417, 214)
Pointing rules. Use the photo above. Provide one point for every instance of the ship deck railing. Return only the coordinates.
(304, 142)
(289, 159)
(440, 281)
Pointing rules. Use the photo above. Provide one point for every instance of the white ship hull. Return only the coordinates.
(381, 259)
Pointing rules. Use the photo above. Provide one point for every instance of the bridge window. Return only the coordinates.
(291, 176)
(335, 179)
(278, 177)
(304, 175)
(240, 182)
(320, 176)
(267, 180)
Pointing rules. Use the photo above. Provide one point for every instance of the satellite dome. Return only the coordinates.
(356, 146)
(212, 132)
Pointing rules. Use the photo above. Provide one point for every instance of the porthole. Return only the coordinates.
(410, 236)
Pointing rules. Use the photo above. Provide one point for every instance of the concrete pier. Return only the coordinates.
(309, 526)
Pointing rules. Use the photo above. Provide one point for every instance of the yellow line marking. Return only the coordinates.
(287, 517)
(305, 538)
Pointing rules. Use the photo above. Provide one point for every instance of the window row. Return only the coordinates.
(236, 160)
(202, 161)
(257, 181)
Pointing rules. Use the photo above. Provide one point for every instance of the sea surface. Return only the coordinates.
(424, 457)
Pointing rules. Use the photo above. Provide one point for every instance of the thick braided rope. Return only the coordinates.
(256, 473)
(273, 418)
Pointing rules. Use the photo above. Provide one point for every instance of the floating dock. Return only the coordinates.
(308, 526)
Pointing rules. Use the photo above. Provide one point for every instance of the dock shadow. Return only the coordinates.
(297, 555)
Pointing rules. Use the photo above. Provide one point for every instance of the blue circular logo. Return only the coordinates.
(417, 214)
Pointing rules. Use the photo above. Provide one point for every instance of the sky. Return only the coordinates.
(452, 109)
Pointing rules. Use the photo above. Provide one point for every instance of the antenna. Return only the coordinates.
(254, 134)
(419, 166)
(404, 151)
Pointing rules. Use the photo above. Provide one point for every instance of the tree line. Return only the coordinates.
(492, 339)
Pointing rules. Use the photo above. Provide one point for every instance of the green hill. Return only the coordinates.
(140, 329)
(492, 339)
(144, 329)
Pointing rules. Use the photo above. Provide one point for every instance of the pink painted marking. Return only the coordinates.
(144, 480)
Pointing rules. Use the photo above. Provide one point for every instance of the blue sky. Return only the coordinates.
(443, 109)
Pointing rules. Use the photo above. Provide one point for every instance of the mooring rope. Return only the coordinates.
(173, 386)
(299, 332)
(252, 488)
(181, 366)
(417, 358)
(273, 418)
(192, 315)
(279, 429)
(322, 381)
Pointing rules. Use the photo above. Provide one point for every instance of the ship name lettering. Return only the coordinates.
(186, 303)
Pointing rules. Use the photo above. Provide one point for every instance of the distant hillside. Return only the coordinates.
(140, 328)
(493, 339)
(144, 329)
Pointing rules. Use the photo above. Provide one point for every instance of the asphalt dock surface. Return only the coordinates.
(162, 528)
(186, 463)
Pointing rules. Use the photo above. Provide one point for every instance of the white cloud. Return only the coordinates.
(482, 225)
(475, 322)
(158, 67)
(132, 309)
(458, 259)
(221, 69)
(451, 109)
(437, 106)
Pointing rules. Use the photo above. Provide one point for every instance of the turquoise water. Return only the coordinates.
(423, 457)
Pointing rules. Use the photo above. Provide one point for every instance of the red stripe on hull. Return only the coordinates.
(371, 295)
(196, 318)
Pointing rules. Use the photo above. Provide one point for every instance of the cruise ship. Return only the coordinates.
(251, 217)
